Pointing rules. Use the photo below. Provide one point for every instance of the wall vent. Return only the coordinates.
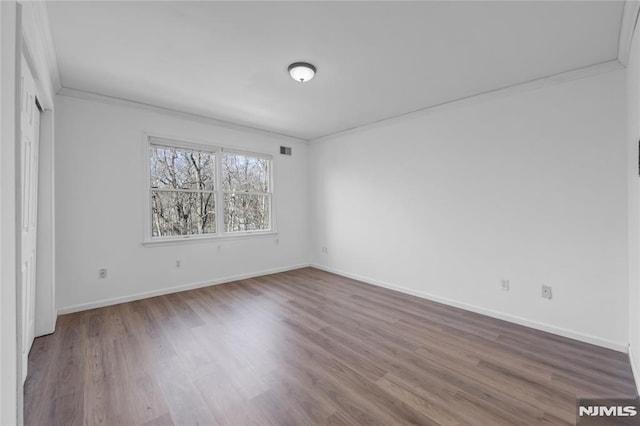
(285, 150)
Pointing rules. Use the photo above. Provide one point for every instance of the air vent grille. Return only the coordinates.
(285, 150)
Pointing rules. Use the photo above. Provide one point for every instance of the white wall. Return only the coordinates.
(633, 136)
(529, 187)
(99, 210)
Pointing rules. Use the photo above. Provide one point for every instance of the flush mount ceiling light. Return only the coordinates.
(302, 71)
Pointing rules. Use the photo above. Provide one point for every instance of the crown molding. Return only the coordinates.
(627, 28)
(98, 97)
(527, 86)
(550, 80)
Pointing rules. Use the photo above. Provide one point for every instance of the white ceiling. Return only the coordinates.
(228, 60)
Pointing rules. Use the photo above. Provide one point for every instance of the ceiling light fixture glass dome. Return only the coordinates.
(302, 71)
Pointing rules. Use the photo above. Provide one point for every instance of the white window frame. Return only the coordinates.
(218, 151)
(222, 192)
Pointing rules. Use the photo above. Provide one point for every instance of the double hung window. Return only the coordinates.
(199, 191)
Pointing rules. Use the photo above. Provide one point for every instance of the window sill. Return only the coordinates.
(212, 239)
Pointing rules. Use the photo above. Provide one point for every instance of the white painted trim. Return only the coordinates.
(97, 97)
(46, 257)
(264, 156)
(22, 361)
(175, 289)
(627, 28)
(634, 369)
(551, 80)
(211, 239)
(37, 47)
(151, 138)
(617, 346)
(9, 124)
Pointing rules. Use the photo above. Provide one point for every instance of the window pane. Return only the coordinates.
(244, 212)
(176, 213)
(176, 168)
(245, 173)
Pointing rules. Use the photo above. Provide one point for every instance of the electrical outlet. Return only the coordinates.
(546, 292)
(102, 273)
(178, 264)
(324, 250)
(504, 285)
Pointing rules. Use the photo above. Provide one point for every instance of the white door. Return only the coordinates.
(29, 143)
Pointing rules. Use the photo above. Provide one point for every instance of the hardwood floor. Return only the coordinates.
(308, 348)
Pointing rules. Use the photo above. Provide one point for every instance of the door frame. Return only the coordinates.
(10, 390)
(45, 304)
(46, 312)
(24, 26)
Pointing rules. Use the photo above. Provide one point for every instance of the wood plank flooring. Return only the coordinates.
(308, 348)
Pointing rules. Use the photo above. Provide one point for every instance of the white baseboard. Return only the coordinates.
(617, 346)
(636, 377)
(175, 289)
